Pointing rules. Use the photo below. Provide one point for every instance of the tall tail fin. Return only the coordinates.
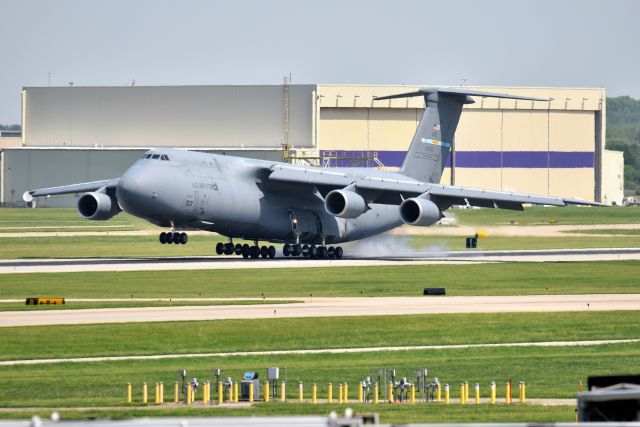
(432, 142)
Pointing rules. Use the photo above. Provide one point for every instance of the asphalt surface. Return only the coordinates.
(236, 262)
(330, 307)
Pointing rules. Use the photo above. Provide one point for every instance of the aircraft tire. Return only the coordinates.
(184, 238)
(305, 251)
(264, 252)
(246, 251)
(297, 250)
(255, 252)
(313, 251)
(238, 249)
(322, 252)
(219, 248)
(331, 252)
(339, 252)
(272, 252)
(228, 249)
(163, 237)
(286, 249)
(175, 238)
(169, 238)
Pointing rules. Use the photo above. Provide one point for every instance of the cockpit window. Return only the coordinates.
(148, 156)
(155, 156)
(164, 157)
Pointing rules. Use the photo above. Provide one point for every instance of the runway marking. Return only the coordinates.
(318, 351)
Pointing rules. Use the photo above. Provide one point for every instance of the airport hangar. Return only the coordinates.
(74, 134)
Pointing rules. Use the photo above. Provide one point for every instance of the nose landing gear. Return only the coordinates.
(173, 237)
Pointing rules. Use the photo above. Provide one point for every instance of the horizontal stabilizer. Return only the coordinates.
(425, 91)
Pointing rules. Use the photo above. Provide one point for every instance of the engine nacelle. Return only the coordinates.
(419, 212)
(97, 206)
(345, 204)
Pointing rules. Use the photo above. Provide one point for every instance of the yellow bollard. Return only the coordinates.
(144, 393)
(477, 387)
(376, 392)
(390, 390)
(493, 392)
(220, 394)
(462, 401)
(340, 393)
(507, 397)
(413, 394)
(157, 394)
(161, 392)
(176, 392)
(360, 393)
(283, 392)
(301, 392)
(193, 394)
(330, 393)
(129, 399)
(205, 393)
(235, 392)
(266, 391)
(189, 394)
(446, 394)
(314, 393)
(466, 392)
(439, 393)
(230, 399)
(522, 393)
(251, 392)
(345, 393)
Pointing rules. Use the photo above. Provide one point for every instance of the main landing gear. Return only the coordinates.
(253, 252)
(313, 251)
(173, 237)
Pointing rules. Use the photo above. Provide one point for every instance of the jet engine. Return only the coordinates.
(97, 206)
(419, 212)
(345, 204)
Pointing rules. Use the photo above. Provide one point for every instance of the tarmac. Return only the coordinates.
(330, 307)
(359, 259)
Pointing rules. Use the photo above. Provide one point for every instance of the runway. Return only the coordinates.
(330, 307)
(234, 262)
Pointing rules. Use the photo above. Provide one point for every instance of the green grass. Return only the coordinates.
(445, 243)
(67, 217)
(616, 231)
(389, 414)
(468, 279)
(311, 333)
(539, 215)
(20, 306)
(551, 372)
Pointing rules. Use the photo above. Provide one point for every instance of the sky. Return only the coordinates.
(560, 43)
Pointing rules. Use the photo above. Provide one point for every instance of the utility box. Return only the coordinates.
(273, 374)
(248, 379)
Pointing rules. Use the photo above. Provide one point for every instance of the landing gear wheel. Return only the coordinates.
(163, 237)
(184, 238)
(297, 250)
(220, 248)
(313, 251)
(331, 252)
(264, 252)
(272, 252)
(246, 251)
(305, 251)
(177, 238)
(228, 249)
(238, 249)
(169, 238)
(338, 252)
(255, 252)
(286, 249)
(322, 252)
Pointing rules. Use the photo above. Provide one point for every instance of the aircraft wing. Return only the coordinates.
(83, 187)
(393, 191)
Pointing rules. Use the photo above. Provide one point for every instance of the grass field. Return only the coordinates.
(468, 279)
(312, 333)
(20, 306)
(619, 232)
(550, 372)
(396, 414)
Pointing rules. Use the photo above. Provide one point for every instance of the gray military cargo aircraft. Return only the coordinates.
(309, 209)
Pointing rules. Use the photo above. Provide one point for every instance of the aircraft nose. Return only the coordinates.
(137, 190)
